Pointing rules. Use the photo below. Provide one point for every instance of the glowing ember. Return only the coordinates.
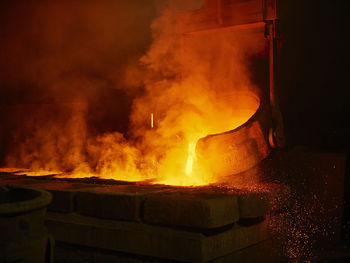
(39, 173)
(28, 172)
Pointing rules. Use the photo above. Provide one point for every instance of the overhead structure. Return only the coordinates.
(253, 19)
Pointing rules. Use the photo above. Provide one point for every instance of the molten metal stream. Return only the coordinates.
(189, 90)
(191, 157)
(179, 164)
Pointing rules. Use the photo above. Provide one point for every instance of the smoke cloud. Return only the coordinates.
(69, 51)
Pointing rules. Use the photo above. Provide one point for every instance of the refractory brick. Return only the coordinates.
(121, 202)
(150, 240)
(254, 204)
(191, 209)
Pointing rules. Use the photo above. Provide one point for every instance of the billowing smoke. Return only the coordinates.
(72, 50)
(58, 57)
(62, 47)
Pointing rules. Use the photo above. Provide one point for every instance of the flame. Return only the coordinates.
(192, 87)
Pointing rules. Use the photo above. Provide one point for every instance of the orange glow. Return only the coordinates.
(39, 173)
(191, 157)
(192, 87)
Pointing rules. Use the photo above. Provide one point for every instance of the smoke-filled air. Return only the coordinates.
(181, 88)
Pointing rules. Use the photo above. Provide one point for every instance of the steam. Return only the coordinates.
(65, 53)
(74, 48)
(61, 46)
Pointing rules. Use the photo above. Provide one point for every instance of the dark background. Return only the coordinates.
(314, 72)
(314, 81)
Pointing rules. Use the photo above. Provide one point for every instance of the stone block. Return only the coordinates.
(259, 199)
(263, 252)
(71, 254)
(63, 194)
(99, 257)
(121, 202)
(5, 175)
(150, 240)
(254, 204)
(198, 209)
(19, 180)
(238, 238)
